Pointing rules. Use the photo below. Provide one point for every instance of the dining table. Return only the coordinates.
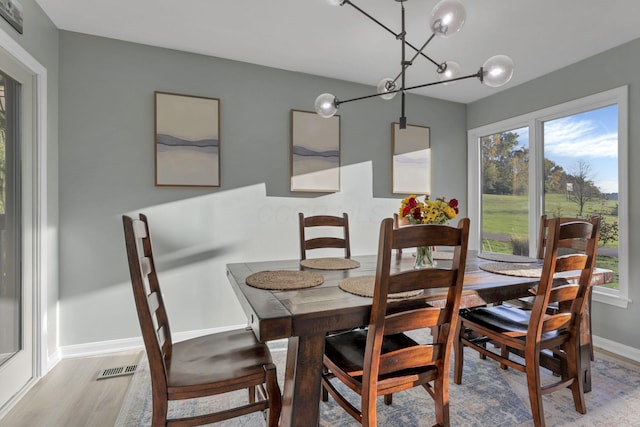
(305, 316)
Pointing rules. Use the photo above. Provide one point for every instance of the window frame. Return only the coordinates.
(535, 121)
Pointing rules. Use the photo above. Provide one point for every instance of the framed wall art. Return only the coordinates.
(315, 152)
(187, 140)
(11, 11)
(411, 163)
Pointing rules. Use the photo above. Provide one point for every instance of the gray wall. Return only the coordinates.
(40, 39)
(611, 69)
(107, 169)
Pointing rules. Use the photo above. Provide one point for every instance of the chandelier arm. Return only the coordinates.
(478, 75)
(396, 35)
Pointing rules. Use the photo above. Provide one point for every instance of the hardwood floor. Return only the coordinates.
(70, 395)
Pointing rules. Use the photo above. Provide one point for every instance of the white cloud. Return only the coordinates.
(608, 186)
(578, 138)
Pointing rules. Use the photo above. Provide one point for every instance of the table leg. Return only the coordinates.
(585, 359)
(586, 350)
(301, 396)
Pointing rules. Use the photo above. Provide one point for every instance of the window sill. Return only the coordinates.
(610, 298)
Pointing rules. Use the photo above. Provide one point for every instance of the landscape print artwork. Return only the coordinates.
(12, 12)
(187, 140)
(315, 152)
(411, 160)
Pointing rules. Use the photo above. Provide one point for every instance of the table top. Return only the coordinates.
(275, 314)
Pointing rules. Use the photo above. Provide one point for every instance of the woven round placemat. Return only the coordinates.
(284, 280)
(493, 256)
(363, 286)
(520, 270)
(330, 263)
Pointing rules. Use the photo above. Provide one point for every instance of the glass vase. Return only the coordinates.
(424, 258)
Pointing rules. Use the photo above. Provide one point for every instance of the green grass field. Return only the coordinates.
(507, 217)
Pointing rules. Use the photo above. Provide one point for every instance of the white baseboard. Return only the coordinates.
(52, 360)
(617, 348)
(126, 344)
(104, 347)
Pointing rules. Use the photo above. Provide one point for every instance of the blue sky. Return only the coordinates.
(591, 137)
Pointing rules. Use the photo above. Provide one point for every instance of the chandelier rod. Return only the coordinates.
(405, 64)
(396, 35)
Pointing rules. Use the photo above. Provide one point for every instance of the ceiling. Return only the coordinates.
(312, 36)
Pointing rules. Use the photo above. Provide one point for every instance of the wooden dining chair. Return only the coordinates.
(382, 359)
(203, 366)
(541, 339)
(324, 242)
(527, 302)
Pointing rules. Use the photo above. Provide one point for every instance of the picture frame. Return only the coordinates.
(411, 159)
(315, 152)
(12, 12)
(186, 140)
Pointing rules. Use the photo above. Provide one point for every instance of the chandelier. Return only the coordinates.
(447, 18)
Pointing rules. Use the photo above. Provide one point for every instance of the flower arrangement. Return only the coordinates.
(437, 211)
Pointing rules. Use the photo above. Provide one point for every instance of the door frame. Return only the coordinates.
(42, 361)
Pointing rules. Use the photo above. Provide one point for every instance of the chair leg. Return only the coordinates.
(160, 408)
(252, 394)
(388, 399)
(325, 393)
(535, 393)
(275, 398)
(458, 356)
(504, 352)
(574, 370)
(590, 329)
(441, 401)
(369, 409)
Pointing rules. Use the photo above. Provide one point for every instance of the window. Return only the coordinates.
(567, 160)
(505, 192)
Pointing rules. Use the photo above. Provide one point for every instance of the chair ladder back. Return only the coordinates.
(422, 279)
(556, 322)
(416, 319)
(324, 242)
(150, 307)
(543, 231)
(564, 293)
(410, 357)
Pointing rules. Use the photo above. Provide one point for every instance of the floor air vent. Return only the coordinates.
(117, 372)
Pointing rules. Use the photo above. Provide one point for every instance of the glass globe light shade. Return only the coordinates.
(447, 18)
(451, 72)
(386, 85)
(326, 105)
(335, 2)
(497, 70)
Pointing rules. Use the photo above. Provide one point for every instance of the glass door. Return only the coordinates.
(10, 283)
(16, 290)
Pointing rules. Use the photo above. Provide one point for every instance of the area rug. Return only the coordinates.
(488, 396)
